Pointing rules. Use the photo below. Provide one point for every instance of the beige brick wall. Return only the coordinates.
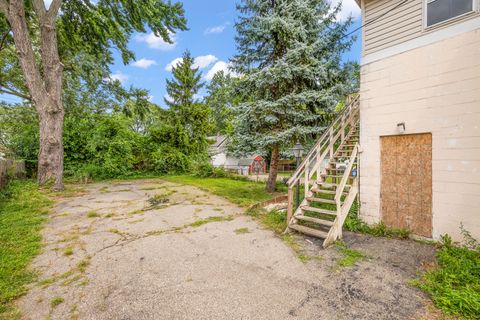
(435, 88)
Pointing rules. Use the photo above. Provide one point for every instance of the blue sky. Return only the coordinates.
(210, 39)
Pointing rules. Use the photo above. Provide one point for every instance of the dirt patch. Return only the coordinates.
(109, 254)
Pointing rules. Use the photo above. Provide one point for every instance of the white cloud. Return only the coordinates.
(219, 66)
(155, 42)
(144, 63)
(349, 8)
(173, 64)
(168, 97)
(119, 76)
(204, 61)
(47, 3)
(217, 29)
(200, 62)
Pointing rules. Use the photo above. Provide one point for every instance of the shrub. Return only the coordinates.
(167, 159)
(354, 224)
(454, 285)
(204, 169)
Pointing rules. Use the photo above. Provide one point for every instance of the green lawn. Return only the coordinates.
(23, 208)
(241, 192)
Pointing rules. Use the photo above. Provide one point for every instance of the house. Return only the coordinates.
(252, 164)
(218, 150)
(408, 147)
(420, 115)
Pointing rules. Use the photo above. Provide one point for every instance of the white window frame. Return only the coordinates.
(426, 27)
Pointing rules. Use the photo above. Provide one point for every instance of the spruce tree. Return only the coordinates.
(221, 99)
(289, 53)
(188, 116)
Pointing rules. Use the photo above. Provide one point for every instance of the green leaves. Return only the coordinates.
(186, 123)
(454, 284)
(290, 58)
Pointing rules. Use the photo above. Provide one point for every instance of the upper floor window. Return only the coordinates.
(442, 10)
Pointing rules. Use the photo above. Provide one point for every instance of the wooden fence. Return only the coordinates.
(11, 169)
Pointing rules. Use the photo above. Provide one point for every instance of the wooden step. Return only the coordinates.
(331, 185)
(333, 176)
(322, 222)
(309, 231)
(324, 191)
(318, 210)
(321, 200)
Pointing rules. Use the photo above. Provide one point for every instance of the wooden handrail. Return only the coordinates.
(332, 133)
(346, 175)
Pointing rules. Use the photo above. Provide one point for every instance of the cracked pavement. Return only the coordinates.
(108, 254)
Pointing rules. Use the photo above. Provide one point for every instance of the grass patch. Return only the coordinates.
(201, 222)
(195, 224)
(92, 214)
(354, 224)
(56, 301)
(159, 200)
(238, 191)
(305, 258)
(68, 251)
(454, 284)
(242, 231)
(273, 220)
(23, 209)
(152, 188)
(350, 256)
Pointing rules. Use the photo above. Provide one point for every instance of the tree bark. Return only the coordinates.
(44, 88)
(272, 174)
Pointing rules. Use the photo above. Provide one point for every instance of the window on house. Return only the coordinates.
(442, 10)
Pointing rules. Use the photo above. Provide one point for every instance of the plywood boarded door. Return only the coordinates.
(406, 182)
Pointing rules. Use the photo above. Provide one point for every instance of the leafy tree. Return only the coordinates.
(221, 99)
(188, 118)
(289, 53)
(77, 41)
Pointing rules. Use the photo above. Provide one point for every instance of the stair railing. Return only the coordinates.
(343, 208)
(325, 146)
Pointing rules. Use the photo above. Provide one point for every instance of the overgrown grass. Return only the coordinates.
(350, 256)
(273, 220)
(454, 284)
(239, 191)
(201, 222)
(23, 208)
(354, 224)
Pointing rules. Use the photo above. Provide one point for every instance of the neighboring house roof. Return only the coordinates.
(219, 144)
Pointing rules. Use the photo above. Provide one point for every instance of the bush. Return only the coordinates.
(205, 169)
(454, 285)
(170, 160)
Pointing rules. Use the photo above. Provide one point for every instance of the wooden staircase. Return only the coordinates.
(329, 178)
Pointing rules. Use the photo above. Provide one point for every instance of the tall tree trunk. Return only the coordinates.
(272, 174)
(50, 157)
(45, 88)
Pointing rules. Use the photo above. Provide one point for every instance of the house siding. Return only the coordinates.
(402, 24)
(433, 89)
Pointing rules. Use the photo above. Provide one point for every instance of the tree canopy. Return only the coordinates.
(289, 53)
